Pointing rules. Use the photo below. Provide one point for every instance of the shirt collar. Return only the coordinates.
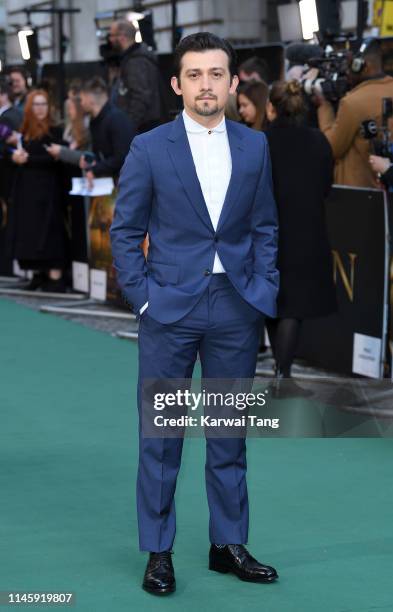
(193, 127)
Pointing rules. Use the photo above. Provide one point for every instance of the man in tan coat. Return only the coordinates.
(351, 151)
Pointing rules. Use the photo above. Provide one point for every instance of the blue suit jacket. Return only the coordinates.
(159, 194)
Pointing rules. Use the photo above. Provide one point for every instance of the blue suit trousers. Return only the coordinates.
(224, 329)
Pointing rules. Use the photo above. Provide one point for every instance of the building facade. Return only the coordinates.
(242, 22)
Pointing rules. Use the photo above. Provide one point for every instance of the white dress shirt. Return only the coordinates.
(213, 164)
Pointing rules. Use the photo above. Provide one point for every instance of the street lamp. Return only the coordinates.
(23, 38)
(23, 43)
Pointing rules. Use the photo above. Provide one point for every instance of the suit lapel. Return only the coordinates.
(180, 153)
(237, 155)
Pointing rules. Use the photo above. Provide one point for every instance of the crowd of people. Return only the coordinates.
(39, 155)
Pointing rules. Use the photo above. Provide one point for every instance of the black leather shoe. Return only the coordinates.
(159, 577)
(235, 558)
(39, 278)
(54, 286)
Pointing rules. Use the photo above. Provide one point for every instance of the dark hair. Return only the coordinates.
(288, 101)
(373, 51)
(258, 93)
(18, 71)
(5, 87)
(126, 28)
(95, 86)
(298, 54)
(75, 86)
(255, 64)
(200, 42)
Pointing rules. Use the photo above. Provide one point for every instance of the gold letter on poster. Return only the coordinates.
(338, 265)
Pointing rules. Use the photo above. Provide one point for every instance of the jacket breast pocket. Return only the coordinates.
(163, 274)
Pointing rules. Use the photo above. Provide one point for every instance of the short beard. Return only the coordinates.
(116, 47)
(207, 111)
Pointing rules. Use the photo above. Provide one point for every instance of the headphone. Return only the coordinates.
(358, 62)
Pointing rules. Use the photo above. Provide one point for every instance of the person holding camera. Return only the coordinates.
(138, 87)
(363, 102)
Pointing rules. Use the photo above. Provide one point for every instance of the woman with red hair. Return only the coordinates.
(36, 235)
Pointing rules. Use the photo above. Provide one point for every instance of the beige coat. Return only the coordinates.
(350, 149)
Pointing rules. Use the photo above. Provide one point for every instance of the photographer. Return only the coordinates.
(138, 88)
(363, 102)
(297, 56)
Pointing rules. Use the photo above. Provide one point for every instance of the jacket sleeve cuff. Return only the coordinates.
(142, 310)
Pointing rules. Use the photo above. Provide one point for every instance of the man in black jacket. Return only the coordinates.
(111, 131)
(138, 87)
(10, 121)
(10, 115)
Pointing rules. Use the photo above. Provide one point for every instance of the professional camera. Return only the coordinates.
(380, 136)
(108, 54)
(332, 80)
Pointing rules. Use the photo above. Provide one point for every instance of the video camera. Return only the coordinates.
(145, 30)
(332, 80)
(380, 136)
(335, 68)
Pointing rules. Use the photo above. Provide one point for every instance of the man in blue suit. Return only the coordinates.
(201, 187)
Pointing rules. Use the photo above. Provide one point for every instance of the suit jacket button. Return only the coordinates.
(215, 238)
(207, 272)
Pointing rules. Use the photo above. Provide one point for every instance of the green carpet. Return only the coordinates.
(321, 510)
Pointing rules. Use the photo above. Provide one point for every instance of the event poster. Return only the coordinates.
(357, 229)
(101, 209)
